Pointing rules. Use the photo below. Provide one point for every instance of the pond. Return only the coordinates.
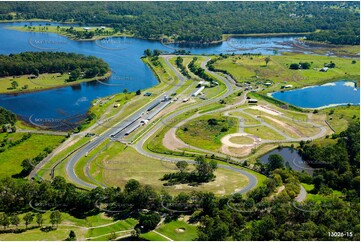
(291, 156)
(330, 94)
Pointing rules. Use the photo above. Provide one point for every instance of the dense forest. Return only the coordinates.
(258, 216)
(6, 117)
(51, 62)
(202, 21)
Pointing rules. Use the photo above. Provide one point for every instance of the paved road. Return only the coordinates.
(139, 146)
(70, 166)
(302, 195)
(88, 148)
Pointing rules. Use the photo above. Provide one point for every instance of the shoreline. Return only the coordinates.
(270, 94)
(17, 92)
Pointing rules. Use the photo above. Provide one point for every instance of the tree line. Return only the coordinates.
(36, 63)
(266, 213)
(205, 21)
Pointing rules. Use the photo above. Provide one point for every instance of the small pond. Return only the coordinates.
(330, 94)
(292, 157)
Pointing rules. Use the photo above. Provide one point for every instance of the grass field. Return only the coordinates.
(119, 164)
(200, 133)
(178, 230)
(243, 140)
(83, 228)
(152, 236)
(11, 158)
(341, 116)
(43, 82)
(247, 119)
(264, 133)
(254, 69)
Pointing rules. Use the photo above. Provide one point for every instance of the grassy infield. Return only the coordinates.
(243, 69)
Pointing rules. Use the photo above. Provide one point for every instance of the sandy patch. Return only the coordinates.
(286, 126)
(349, 84)
(226, 140)
(236, 152)
(266, 110)
(171, 142)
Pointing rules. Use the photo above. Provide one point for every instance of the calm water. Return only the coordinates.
(292, 157)
(123, 56)
(330, 94)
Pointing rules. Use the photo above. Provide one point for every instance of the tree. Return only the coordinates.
(267, 59)
(138, 92)
(149, 221)
(148, 52)
(294, 66)
(39, 219)
(55, 218)
(14, 84)
(15, 220)
(4, 220)
(28, 218)
(72, 236)
(212, 121)
(182, 166)
(132, 185)
(275, 161)
(74, 75)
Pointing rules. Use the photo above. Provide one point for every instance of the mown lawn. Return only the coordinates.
(11, 158)
(264, 133)
(178, 230)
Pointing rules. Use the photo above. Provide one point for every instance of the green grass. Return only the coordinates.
(151, 236)
(79, 226)
(118, 164)
(341, 116)
(172, 231)
(11, 158)
(199, 133)
(246, 68)
(43, 82)
(247, 119)
(319, 197)
(264, 133)
(119, 226)
(243, 140)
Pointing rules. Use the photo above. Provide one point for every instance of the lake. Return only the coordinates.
(292, 157)
(330, 94)
(121, 53)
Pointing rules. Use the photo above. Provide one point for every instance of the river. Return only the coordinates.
(121, 53)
